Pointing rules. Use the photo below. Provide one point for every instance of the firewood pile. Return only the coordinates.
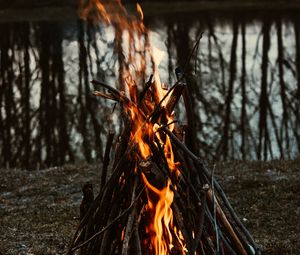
(160, 197)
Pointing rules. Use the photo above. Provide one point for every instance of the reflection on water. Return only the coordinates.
(244, 86)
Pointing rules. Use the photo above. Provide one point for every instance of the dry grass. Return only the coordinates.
(39, 209)
(266, 195)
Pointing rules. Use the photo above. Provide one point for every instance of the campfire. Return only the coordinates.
(160, 198)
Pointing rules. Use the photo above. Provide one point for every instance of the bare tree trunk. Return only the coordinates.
(297, 38)
(26, 99)
(170, 39)
(46, 95)
(222, 61)
(244, 94)
(83, 111)
(284, 126)
(63, 136)
(183, 51)
(229, 98)
(2, 133)
(53, 111)
(92, 105)
(8, 96)
(263, 100)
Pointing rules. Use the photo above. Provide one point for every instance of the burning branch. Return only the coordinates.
(153, 167)
(160, 198)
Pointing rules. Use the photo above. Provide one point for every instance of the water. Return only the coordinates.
(243, 81)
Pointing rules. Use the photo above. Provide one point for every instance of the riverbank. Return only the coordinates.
(39, 209)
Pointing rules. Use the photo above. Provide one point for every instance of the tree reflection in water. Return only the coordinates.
(244, 83)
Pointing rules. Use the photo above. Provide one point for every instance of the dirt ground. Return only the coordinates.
(39, 209)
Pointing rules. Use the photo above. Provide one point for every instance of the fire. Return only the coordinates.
(132, 41)
(163, 216)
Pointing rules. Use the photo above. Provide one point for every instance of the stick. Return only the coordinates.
(130, 221)
(137, 241)
(110, 224)
(107, 235)
(198, 162)
(201, 220)
(114, 91)
(116, 173)
(106, 159)
(179, 219)
(143, 93)
(225, 222)
(138, 248)
(174, 97)
(107, 96)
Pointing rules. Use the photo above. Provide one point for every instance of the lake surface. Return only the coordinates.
(244, 80)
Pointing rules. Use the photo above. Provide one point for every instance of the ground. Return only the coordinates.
(39, 209)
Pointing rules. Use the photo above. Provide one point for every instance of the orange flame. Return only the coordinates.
(140, 11)
(163, 216)
(131, 41)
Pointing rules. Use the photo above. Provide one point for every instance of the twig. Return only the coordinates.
(192, 52)
(107, 96)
